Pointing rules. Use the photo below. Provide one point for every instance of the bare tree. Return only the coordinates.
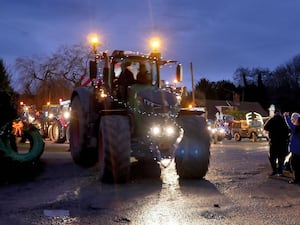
(241, 76)
(28, 73)
(71, 62)
(54, 77)
(293, 69)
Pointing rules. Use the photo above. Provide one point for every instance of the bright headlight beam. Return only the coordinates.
(155, 130)
(222, 130)
(66, 115)
(31, 119)
(169, 131)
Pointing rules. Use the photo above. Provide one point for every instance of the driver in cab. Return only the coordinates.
(143, 76)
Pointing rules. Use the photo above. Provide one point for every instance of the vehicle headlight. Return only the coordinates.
(155, 131)
(66, 115)
(30, 119)
(159, 131)
(102, 93)
(169, 130)
(222, 130)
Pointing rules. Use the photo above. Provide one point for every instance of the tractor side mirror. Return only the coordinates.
(179, 72)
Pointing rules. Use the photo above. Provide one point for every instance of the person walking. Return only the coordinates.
(293, 123)
(278, 142)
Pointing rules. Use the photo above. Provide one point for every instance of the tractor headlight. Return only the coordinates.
(222, 130)
(51, 116)
(169, 131)
(66, 115)
(159, 131)
(31, 119)
(156, 131)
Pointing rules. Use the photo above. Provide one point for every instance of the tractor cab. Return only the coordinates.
(110, 67)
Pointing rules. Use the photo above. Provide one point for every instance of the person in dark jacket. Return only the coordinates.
(294, 124)
(143, 76)
(278, 141)
(125, 80)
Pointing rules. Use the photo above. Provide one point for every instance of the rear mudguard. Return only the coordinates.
(85, 95)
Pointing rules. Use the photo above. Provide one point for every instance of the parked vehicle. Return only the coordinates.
(43, 119)
(59, 130)
(251, 128)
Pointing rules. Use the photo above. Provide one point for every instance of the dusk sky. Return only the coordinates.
(217, 36)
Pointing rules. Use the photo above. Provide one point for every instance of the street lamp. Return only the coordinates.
(94, 40)
(155, 44)
(155, 47)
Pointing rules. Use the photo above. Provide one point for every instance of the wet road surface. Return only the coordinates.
(236, 190)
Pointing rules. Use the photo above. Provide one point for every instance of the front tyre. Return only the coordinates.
(237, 136)
(114, 148)
(254, 137)
(193, 152)
(58, 132)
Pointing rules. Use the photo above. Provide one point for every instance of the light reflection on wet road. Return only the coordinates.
(236, 190)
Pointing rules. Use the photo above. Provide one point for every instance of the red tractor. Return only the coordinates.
(59, 128)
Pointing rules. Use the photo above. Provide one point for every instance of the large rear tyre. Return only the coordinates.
(82, 154)
(114, 158)
(193, 152)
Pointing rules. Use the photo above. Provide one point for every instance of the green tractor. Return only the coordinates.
(146, 123)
